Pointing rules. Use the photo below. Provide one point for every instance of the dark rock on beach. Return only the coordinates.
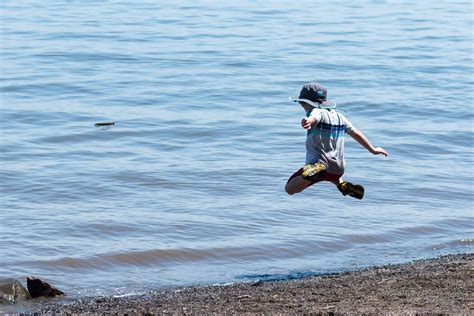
(38, 288)
(12, 291)
(443, 286)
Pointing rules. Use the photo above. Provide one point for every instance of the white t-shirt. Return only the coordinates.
(325, 140)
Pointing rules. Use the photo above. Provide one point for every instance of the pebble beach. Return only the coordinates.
(145, 147)
(442, 285)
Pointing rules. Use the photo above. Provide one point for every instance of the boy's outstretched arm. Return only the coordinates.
(361, 139)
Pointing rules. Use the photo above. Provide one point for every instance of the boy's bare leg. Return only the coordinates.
(296, 185)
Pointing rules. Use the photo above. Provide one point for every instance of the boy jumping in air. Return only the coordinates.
(325, 143)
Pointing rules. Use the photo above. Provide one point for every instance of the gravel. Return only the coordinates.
(442, 285)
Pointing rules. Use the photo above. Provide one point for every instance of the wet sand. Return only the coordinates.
(442, 285)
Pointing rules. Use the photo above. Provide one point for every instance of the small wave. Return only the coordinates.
(130, 294)
(161, 257)
(66, 139)
(465, 242)
(55, 89)
(291, 248)
(89, 56)
(409, 232)
(366, 238)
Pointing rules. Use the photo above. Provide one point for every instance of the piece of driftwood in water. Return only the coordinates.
(104, 124)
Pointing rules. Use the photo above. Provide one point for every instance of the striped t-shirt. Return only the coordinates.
(325, 140)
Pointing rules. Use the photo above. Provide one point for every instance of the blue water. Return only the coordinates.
(188, 186)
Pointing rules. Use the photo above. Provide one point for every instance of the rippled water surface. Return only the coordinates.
(187, 186)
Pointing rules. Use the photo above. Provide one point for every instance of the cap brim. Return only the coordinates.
(325, 104)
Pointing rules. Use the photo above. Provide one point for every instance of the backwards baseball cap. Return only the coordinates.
(315, 94)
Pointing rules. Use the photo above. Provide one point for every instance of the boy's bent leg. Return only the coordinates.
(307, 176)
(296, 185)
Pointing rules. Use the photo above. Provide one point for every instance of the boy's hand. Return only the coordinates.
(380, 151)
(307, 122)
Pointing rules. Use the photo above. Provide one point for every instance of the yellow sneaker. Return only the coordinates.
(354, 190)
(311, 171)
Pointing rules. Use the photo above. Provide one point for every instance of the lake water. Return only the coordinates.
(188, 186)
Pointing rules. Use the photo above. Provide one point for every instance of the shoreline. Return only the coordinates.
(440, 285)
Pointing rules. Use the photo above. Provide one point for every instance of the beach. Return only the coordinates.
(441, 285)
(145, 147)
(154, 154)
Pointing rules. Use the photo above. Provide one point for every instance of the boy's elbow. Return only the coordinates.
(354, 133)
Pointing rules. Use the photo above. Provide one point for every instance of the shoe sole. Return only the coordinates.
(356, 191)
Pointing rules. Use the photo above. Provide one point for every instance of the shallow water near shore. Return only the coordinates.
(187, 186)
(433, 286)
